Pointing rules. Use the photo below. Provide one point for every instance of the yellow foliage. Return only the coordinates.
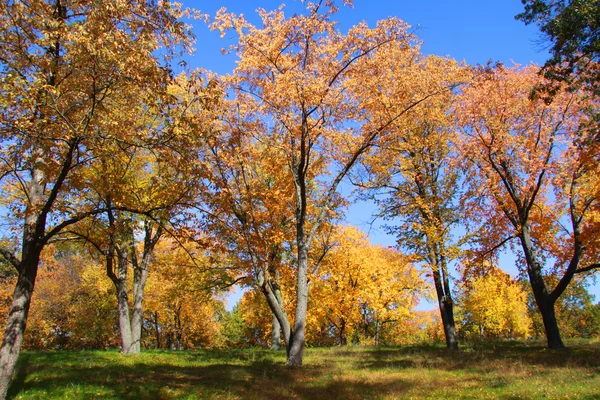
(359, 288)
(496, 305)
(180, 303)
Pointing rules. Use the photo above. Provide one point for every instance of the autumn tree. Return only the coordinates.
(183, 297)
(64, 69)
(320, 94)
(247, 207)
(412, 178)
(531, 182)
(81, 317)
(495, 305)
(359, 288)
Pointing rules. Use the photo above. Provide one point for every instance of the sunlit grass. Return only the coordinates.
(501, 370)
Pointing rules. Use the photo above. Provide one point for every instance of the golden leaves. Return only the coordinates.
(496, 305)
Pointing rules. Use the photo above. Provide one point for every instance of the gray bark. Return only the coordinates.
(17, 319)
(272, 293)
(275, 325)
(275, 333)
(296, 344)
(33, 242)
(130, 324)
(127, 344)
(140, 277)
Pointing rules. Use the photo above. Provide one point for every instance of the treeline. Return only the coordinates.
(75, 307)
(135, 196)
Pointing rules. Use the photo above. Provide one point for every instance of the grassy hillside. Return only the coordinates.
(502, 370)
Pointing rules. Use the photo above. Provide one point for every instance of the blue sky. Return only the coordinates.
(466, 30)
(474, 31)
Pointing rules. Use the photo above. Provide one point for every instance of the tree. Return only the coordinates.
(573, 29)
(324, 100)
(530, 181)
(360, 288)
(496, 305)
(182, 303)
(578, 316)
(412, 178)
(247, 207)
(64, 69)
(77, 318)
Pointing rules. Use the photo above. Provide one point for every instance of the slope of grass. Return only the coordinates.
(503, 370)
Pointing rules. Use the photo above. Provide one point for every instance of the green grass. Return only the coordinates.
(501, 370)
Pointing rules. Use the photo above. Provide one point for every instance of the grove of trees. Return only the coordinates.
(137, 192)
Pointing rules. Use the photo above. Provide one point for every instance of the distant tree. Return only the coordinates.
(182, 305)
(495, 305)
(231, 326)
(360, 289)
(81, 317)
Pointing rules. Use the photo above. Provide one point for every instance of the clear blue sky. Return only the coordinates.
(474, 31)
(466, 30)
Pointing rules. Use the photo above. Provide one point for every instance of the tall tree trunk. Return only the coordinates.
(543, 300)
(140, 276)
(137, 314)
(446, 307)
(17, 319)
(447, 313)
(275, 325)
(296, 344)
(33, 231)
(441, 282)
(127, 345)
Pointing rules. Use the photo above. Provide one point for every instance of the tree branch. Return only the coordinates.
(588, 268)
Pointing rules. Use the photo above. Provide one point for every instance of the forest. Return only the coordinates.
(137, 193)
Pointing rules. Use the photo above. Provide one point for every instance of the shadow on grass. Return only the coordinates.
(259, 379)
(337, 373)
(483, 356)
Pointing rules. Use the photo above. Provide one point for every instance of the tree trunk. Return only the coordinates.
(274, 298)
(275, 324)
(127, 345)
(33, 231)
(178, 330)
(275, 333)
(542, 299)
(296, 345)
(447, 314)
(551, 327)
(441, 282)
(140, 276)
(342, 330)
(137, 315)
(17, 319)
